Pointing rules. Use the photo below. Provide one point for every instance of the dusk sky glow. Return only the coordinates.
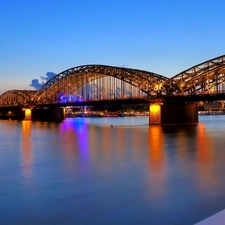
(165, 37)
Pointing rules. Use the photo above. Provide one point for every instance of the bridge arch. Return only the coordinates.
(81, 77)
(16, 97)
(207, 76)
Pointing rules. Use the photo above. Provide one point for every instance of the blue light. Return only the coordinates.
(63, 98)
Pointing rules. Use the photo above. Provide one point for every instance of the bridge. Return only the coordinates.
(101, 84)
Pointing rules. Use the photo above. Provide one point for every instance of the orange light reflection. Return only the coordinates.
(205, 160)
(26, 145)
(157, 160)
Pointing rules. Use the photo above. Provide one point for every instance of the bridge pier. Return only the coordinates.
(52, 114)
(27, 114)
(14, 113)
(173, 113)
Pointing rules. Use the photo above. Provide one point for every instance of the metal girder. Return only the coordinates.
(199, 78)
(16, 97)
(74, 78)
(102, 82)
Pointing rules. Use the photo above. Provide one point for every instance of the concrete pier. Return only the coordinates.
(52, 114)
(16, 113)
(173, 113)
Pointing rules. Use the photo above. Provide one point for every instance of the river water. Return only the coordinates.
(85, 172)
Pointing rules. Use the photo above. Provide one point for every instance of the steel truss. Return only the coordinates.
(16, 97)
(207, 76)
(106, 80)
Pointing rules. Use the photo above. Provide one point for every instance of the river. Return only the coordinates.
(85, 172)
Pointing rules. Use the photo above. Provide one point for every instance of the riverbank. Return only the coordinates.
(203, 113)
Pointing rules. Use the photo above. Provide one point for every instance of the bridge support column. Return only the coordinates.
(51, 114)
(173, 114)
(155, 114)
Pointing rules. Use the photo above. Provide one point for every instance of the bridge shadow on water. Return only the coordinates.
(186, 128)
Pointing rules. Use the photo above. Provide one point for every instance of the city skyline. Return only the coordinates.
(52, 36)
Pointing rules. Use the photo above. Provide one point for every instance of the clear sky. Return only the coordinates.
(165, 37)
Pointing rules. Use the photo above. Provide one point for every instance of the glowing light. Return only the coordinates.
(182, 85)
(158, 86)
(155, 114)
(154, 108)
(63, 98)
(27, 114)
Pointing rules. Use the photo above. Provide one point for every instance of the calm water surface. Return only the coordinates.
(84, 172)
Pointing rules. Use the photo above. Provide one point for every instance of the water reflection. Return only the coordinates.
(74, 141)
(180, 141)
(103, 141)
(156, 148)
(157, 167)
(26, 148)
(131, 169)
(81, 130)
(205, 145)
(205, 161)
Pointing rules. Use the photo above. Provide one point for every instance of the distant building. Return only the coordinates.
(212, 105)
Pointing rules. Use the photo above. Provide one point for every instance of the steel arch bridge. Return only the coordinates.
(97, 82)
(207, 76)
(16, 97)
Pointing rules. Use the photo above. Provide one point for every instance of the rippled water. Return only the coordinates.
(85, 172)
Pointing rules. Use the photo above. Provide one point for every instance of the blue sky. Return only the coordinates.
(165, 37)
